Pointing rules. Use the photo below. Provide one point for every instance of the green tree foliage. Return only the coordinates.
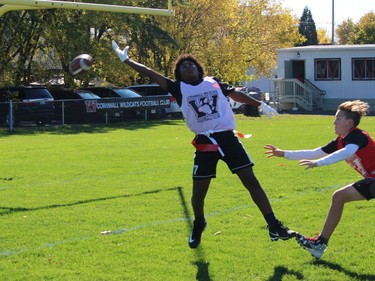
(362, 32)
(8, 25)
(20, 33)
(228, 37)
(366, 26)
(346, 32)
(148, 43)
(307, 28)
(68, 38)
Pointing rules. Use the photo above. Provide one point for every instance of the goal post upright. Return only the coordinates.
(10, 5)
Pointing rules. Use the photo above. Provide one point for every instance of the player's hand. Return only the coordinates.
(272, 150)
(122, 54)
(269, 111)
(308, 163)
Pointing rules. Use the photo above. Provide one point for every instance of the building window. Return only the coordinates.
(363, 68)
(327, 69)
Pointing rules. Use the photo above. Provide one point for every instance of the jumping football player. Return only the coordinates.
(208, 114)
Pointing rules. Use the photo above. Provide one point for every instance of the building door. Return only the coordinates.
(298, 69)
(294, 69)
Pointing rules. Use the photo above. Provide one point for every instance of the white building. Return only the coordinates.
(321, 77)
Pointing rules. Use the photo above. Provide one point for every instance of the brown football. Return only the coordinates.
(80, 64)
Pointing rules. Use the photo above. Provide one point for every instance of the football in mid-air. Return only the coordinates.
(80, 64)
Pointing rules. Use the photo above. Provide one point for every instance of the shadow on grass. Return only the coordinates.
(281, 271)
(73, 129)
(351, 274)
(201, 261)
(10, 210)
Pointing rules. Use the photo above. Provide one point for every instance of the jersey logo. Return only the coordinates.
(204, 105)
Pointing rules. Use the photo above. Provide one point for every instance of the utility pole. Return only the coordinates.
(333, 23)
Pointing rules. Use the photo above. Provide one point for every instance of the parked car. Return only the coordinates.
(30, 103)
(117, 92)
(77, 105)
(247, 110)
(155, 90)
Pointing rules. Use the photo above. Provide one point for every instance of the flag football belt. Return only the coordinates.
(212, 147)
(207, 147)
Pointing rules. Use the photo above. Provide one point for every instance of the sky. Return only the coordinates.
(321, 10)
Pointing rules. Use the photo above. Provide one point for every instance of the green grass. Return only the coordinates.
(61, 187)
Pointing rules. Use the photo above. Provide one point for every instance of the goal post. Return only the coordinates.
(11, 5)
(7, 8)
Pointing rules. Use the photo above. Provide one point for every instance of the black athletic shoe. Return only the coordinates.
(278, 230)
(196, 233)
(314, 245)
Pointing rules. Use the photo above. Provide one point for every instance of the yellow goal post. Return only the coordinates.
(13, 5)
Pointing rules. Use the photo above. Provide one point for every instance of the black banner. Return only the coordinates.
(150, 102)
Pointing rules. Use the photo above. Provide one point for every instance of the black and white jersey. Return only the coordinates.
(204, 105)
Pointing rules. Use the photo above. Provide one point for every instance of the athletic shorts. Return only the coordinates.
(366, 187)
(218, 146)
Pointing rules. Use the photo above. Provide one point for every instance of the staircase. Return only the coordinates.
(294, 94)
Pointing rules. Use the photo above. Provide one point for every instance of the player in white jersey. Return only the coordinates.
(353, 145)
(208, 114)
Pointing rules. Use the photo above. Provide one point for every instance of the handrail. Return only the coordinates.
(294, 91)
(311, 85)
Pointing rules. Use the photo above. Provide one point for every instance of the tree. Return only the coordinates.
(228, 37)
(20, 33)
(366, 29)
(323, 37)
(307, 28)
(7, 46)
(346, 32)
(361, 33)
(143, 33)
(37, 45)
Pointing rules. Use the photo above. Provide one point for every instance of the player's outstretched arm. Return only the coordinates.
(246, 99)
(243, 98)
(140, 68)
(122, 54)
(272, 150)
(269, 111)
(307, 163)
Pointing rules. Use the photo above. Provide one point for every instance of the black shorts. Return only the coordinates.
(366, 187)
(230, 150)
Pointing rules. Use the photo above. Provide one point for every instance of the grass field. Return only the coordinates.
(113, 203)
